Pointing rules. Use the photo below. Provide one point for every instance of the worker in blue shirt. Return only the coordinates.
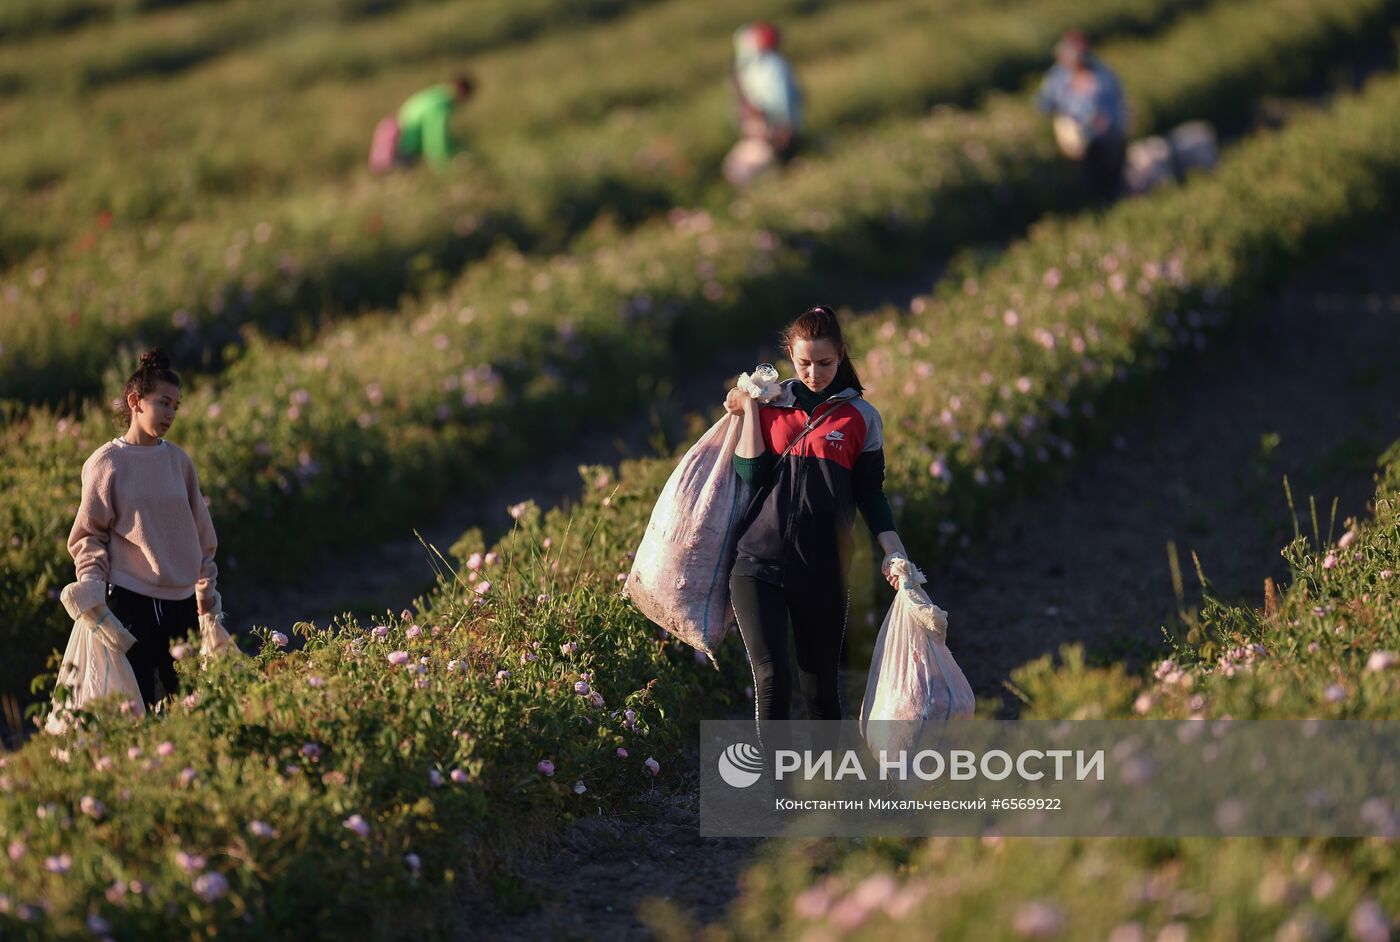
(1090, 114)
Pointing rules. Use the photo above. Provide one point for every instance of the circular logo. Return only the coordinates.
(741, 765)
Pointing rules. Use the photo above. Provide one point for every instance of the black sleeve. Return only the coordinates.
(868, 486)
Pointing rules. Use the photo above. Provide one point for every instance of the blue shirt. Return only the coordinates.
(1059, 96)
(766, 82)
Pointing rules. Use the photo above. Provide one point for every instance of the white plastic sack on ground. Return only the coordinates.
(680, 575)
(94, 662)
(1194, 146)
(913, 677)
(1148, 164)
(748, 159)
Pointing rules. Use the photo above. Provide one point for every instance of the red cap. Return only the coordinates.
(1073, 41)
(765, 35)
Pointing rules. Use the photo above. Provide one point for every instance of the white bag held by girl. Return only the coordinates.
(680, 575)
(914, 680)
(94, 663)
(214, 637)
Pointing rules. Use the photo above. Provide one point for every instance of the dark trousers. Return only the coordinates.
(157, 624)
(1103, 166)
(818, 607)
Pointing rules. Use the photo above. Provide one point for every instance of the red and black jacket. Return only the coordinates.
(800, 518)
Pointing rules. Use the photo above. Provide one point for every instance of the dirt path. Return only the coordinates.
(1086, 562)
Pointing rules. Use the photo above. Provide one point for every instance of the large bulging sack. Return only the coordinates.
(1194, 146)
(915, 687)
(748, 160)
(384, 146)
(680, 577)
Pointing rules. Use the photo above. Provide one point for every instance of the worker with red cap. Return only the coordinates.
(1090, 115)
(770, 105)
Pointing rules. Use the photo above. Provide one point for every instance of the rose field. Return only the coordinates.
(357, 352)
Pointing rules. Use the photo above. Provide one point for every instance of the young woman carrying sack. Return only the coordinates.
(815, 456)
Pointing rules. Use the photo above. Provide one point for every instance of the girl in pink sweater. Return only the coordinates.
(143, 528)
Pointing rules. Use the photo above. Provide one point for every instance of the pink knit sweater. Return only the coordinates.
(143, 524)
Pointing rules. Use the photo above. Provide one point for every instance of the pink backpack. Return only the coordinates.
(384, 149)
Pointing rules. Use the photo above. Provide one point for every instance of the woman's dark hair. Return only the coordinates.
(820, 323)
(154, 369)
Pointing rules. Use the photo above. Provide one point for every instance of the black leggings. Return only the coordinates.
(157, 624)
(818, 608)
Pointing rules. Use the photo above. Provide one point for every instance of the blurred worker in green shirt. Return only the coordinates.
(419, 129)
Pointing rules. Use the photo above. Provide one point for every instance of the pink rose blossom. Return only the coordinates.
(357, 824)
(279, 639)
(210, 886)
(459, 776)
(398, 657)
(546, 767)
(166, 748)
(621, 752)
(1381, 661)
(652, 766)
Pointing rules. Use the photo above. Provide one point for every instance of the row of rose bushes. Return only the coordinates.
(358, 781)
(296, 234)
(27, 18)
(299, 450)
(1328, 648)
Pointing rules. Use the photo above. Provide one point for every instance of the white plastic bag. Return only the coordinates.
(747, 160)
(680, 575)
(94, 662)
(1070, 137)
(914, 681)
(213, 637)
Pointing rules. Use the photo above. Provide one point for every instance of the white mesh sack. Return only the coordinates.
(680, 576)
(914, 681)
